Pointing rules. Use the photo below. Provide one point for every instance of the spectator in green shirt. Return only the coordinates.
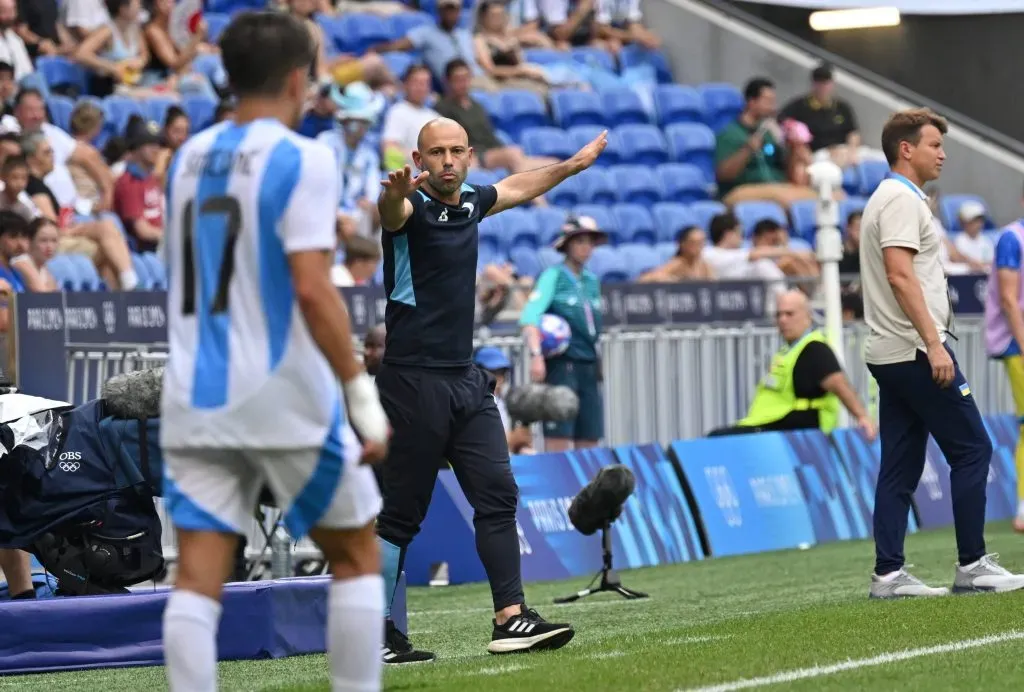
(572, 292)
(751, 157)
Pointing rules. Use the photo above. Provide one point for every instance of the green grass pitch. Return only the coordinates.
(796, 620)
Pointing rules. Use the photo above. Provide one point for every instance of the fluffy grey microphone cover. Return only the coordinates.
(134, 394)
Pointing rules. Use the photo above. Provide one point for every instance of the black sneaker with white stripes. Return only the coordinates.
(398, 649)
(528, 631)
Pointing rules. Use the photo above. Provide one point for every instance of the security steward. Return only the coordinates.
(805, 385)
(572, 292)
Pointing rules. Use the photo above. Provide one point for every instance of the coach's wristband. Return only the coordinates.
(364, 409)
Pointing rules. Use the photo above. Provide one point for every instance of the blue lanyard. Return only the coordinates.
(909, 183)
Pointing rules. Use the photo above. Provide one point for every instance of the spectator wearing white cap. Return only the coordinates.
(357, 159)
(972, 243)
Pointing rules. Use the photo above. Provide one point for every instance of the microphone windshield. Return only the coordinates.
(134, 394)
(600, 502)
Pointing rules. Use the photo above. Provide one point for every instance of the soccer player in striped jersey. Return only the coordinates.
(258, 341)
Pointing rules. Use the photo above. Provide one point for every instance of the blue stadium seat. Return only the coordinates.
(676, 103)
(200, 110)
(603, 217)
(608, 265)
(492, 235)
(800, 245)
(209, 65)
(596, 186)
(63, 271)
(526, 261)
(581, 135)
(624, 107)
(566, 194)
(549, 222)
(594, 57)
(491, 102)
(521, 109)
(637, 184)
(481, 176)
(750, 213)
(549, 257)
(546, 141)
(847, 207)
(157, 270)
(215, 25)
(398, 63)
(545, 56)
(672, 217)
(520, 228)
(949, 211)
(693, 143)
(146, 280)
(60, 108)
(636, 225)
(231, 7)
(86, 274)
(570, 107)
(805, 223)
(333, 28)
(684, 182)
(363, 31)
(638, 258)
(871, 173)
(155, 108)
(722, 104)
(118, 110)
(404, 22)
(851, 180)
(642, 144)
(666, 251)
(635, 56)
(61, 72)
(487, 255)
(705, 211)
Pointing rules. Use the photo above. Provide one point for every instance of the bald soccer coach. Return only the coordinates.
(441, 405)
(920, 385)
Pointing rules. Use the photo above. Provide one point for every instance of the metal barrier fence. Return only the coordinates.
(659, 385)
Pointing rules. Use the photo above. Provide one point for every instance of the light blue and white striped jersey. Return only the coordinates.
(243, 370)
(359, 169)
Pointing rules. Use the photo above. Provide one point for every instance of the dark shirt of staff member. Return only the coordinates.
(830, 119)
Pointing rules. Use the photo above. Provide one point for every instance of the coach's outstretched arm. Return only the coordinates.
(392, 204)
(523, 187)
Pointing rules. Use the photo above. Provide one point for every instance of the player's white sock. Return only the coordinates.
(355, 633)
(190, 641)
(1020, 510)
(129, 280)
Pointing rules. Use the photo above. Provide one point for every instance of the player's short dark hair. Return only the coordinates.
(453, 65)
(854, 215)
(413, 69)
(722, 224)
(822, 73)
(905, 126)
(755, 86)
(13, 223)
(260, 50)
(6, 67)
(766, 226)
(13, 162)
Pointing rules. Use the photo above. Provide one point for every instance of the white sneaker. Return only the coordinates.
(986, 575)
(903, 585)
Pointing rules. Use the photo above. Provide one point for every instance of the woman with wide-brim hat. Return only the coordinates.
(573, 293)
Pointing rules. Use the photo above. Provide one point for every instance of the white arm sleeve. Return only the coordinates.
(554, 12)
(309, 219)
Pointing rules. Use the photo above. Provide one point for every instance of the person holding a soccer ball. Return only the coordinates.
(562, 326)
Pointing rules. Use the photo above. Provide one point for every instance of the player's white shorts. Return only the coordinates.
(217, 489)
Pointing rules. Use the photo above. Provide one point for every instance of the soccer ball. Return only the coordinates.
(554, 335)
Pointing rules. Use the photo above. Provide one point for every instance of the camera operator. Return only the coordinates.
(494, 361)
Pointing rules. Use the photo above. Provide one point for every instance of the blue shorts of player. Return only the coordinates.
(449, 414)
(912, 405)
(581, 377)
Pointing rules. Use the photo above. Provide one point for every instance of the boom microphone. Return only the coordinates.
(534, 402)
(134, 394)
(600, 502)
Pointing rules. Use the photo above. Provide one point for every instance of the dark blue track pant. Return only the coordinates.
(911, 406)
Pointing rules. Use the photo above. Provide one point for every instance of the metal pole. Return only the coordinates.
(827, 178)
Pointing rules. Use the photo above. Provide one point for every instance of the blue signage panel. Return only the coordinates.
(658, 509)
(837, 510)
(861, 460)
(748, 495)
(1002, 486)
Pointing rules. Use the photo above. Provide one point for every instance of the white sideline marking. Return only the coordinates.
(499, 669)
(697, 639)
(605, 654)
(880, 660)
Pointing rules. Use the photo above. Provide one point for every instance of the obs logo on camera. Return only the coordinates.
(69, 461)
